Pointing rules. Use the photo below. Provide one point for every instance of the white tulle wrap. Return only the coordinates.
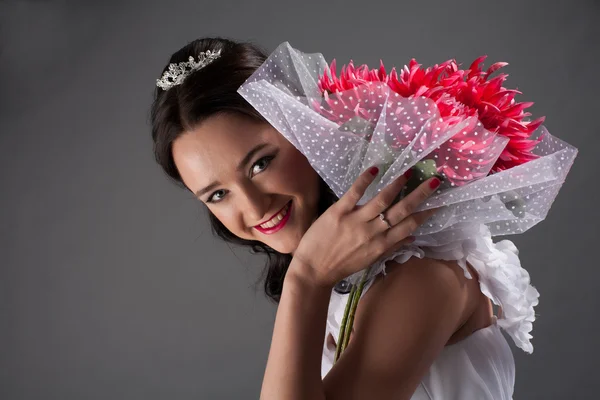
(396, 133)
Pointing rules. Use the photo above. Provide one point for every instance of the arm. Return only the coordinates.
(401, 325)
(294, 364)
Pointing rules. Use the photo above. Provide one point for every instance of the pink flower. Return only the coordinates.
(357, 97)
(457, 93)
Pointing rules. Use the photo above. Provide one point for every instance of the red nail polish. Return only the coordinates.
(374, 170)
(434, 183)
(408, 173)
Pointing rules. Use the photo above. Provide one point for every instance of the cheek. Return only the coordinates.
(227, 218)
(305, 181)
(299, 175)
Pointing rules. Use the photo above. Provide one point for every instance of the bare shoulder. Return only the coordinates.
(441, 283)
(438, 280)
(402, 324)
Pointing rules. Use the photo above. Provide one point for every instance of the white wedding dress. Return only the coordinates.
(480, 367)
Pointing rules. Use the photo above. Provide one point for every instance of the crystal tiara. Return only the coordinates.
(177, 72)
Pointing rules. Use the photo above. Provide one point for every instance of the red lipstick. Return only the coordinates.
(281, 224)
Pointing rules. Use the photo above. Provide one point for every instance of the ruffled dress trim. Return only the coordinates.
(501, 277)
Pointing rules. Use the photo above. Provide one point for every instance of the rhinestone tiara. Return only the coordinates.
(177, 72)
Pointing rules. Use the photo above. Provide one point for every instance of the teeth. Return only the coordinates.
(275, 220)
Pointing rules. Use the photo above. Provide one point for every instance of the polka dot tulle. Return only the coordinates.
(343, 134)
(395, 133)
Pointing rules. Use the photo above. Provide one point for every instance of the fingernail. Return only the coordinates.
(373, 170)
(434, 183)
(408, 173)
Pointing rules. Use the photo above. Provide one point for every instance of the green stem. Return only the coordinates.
(341, 334)
(353, 310)
(348, 321)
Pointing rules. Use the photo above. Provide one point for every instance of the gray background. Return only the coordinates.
(111, 286)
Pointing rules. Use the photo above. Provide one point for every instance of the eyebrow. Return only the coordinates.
(240, 166)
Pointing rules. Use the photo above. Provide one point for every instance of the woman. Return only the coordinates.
(423, 331)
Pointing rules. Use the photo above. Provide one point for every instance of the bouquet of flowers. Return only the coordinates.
(500, 171)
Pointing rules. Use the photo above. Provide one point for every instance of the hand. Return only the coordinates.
(348, 238)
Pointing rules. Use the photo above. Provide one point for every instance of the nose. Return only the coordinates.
(255, 204)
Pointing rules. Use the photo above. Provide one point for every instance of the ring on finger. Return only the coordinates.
(382, 217)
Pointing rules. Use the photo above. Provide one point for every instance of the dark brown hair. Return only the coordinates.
(207, 92)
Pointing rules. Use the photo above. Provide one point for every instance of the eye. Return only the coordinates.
(211, 198)
(265, 161)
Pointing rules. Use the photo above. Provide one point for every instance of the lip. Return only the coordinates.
(281, 223)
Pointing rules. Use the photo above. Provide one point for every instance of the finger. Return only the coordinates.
(408, 226)
(404, 231)
(404, 242)
(411, 202)
(405, 207)
(385, 198)
(423, 216)
(349, 199)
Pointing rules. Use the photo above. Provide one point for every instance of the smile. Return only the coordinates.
(277, 222)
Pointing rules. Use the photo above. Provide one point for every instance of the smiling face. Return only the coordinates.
(246, 172)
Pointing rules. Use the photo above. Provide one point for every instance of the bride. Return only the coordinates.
(421, 331)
